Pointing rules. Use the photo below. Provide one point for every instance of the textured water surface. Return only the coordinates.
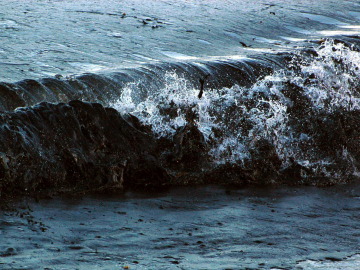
(44, 38)
(191, 228)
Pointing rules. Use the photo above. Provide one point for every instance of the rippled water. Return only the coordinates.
(44, 38)
(188, 228)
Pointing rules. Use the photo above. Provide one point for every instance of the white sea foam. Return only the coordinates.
(337, 69)
(350, 263)
(235, 118)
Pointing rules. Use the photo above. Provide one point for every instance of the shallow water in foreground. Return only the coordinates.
(187, 228)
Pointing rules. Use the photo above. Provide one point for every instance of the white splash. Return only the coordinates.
(234, 119)
(336, 70)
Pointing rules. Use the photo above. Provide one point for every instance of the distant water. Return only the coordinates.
(43, 38)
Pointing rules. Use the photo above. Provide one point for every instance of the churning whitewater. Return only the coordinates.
(275, 109)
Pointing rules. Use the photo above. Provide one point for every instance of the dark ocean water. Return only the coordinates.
(123, 94)
(301, 228)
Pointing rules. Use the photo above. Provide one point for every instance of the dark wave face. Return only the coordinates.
(181, 93)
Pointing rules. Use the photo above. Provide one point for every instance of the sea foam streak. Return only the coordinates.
(349, 263)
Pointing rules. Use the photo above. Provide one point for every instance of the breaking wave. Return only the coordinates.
(280, 118)
(277, 108)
